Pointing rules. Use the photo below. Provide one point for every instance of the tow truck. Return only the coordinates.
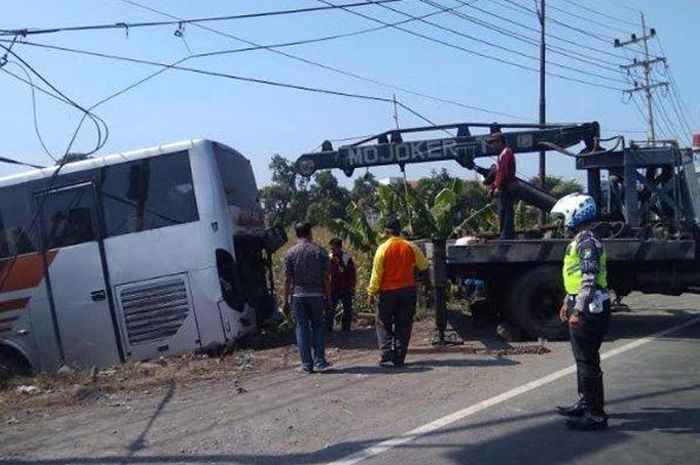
(649, 207)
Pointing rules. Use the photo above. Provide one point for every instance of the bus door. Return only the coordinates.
(78, 287)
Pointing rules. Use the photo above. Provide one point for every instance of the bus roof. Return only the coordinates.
(105, 160)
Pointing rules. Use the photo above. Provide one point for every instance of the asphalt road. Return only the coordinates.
(441, 409)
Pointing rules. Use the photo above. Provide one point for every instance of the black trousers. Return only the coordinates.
(346, 299)
(506, 215)
(395, 314)
(586, 341)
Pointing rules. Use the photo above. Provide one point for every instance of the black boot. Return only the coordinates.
(575, 410)
(580, 407)
(594, 418)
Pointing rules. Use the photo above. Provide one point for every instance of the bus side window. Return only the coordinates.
(15, 216)
(68, 219)
(148, 193)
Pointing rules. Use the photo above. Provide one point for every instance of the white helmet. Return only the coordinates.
(575, 208)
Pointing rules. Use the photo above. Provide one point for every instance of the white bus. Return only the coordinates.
(132, 256)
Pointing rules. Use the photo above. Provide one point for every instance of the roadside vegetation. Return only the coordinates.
(439, 206)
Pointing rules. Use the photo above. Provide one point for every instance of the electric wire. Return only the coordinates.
(622, 5)
(583, 18)
(176, 66)
(100, 124)
(127, 26)
(501, 47)
(483, 55)
(551, 35)
(563, 51)
(599, 13)
(34, 109)
(338, 70)
(677, 124)
(599, 37)
(670, 96)
(527, 39)
(675, 87)
(671, 129)
(12, 161)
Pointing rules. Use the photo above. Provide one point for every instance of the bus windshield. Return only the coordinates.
(238, 179)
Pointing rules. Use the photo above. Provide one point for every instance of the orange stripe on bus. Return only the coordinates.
(26, 272)
(9, 320)
(14, 304)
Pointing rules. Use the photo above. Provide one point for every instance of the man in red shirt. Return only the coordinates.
(505, 176)
(343, 281)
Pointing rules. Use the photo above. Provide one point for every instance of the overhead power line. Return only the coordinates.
(599, 37)
(587, 19)
(477, 53)
(500, 47)
(623, 6)
(100, 124)
(12, 161)
(600, 13)
(569, 53)
(127, 26)
(552, 36)
(675, 88)
(671, 129)
(34, 110)
(175, 65)
(273, 49)
(268, 82)
(646, 64)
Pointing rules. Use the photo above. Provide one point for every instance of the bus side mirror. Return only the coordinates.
(275, 237)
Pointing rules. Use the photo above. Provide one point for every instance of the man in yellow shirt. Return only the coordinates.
(393, 281)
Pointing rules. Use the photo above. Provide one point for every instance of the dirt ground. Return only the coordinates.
(25, 396)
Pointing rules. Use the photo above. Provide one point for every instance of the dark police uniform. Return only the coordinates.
(585, 281)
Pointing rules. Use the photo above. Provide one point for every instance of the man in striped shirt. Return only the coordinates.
(393, 281)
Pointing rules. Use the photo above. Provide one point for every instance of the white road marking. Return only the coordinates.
(471, 410)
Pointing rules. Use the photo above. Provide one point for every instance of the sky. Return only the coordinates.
(466, 65)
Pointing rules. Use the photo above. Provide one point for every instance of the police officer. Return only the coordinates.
(586, 307)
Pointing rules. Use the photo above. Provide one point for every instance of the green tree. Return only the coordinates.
(327, 200)
(286, 200)
(557, 186)
(365, 193)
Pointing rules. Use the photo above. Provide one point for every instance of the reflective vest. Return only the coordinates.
(572, 269)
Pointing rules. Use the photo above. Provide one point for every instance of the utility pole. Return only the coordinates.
(647, 65)
(543, 107)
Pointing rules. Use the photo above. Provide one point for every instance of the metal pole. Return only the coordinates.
(437, 258)
(647, 73)
(543, 108)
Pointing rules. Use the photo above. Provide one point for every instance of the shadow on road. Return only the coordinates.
(545, 443)
(140, 442)
(663, 420)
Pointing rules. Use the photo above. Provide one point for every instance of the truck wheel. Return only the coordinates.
(533, 303)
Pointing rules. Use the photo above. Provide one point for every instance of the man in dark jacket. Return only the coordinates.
(343, 281)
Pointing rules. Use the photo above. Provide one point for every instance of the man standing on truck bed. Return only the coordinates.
(307, 283)
(505, 176)
(587, 309)
(393, 279)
